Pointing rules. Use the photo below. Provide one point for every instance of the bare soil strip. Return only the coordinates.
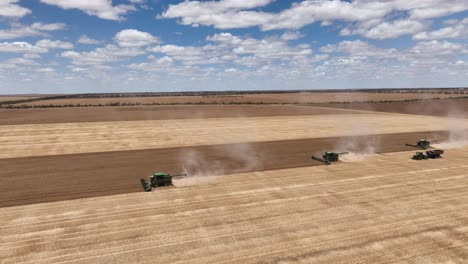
(447, 108)
(389, 209)
(101, 114)
(55, 178)
(73, 138)
(137, 113)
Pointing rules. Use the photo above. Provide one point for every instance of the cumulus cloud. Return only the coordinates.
(154, 64)
(386, 30)
(87, 40)
(457, 29)
(435, 48)
(134, 38)
(20, 47)
(46, 70)
(291, 35)
(100, 8)
(109, 53)
(266, 48)
(21, 61)
(359, 48)
(35, 29)
(428, 9)
(221, 14)
(373, 17)
(190, 55)
(51, 44)
(11, 9)
(31, 56)
(228, 48)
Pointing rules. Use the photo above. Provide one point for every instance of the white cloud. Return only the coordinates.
(48, 27)
(457, 29)
(46, 70)
(291, 35)
(188, 55)
(436, 48)
(134, 38)
(438, 8)
(100, 8)
(20, 47)
(225, 48)
(359, 48)
(221, 14)
(10, 8)
(236, 14)
(87, 40)
(387, 30)
(51, 44)
(266, 48)
(231, 70)
(21, 61)
(307, 12)
(32, 56)
(109, 53)
(155, 64)
(35, 29)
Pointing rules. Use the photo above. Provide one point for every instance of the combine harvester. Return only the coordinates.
(329, 157)
(159, 179)
(422, 144)
(430, 154)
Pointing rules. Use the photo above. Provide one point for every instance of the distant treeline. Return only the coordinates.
(12, 106)
(452, 90)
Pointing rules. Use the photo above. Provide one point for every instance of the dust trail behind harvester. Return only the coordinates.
(198, 169)
(359, 148)
(203, 170)
(458, 133)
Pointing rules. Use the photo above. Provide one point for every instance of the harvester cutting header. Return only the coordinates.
(329, 157)
(159, 179)
(422, 144)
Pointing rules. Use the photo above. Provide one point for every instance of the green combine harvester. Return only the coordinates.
(159, 179)
(422, 144)
(430, 154)
(329, 157)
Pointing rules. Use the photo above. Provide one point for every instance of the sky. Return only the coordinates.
(83, 46)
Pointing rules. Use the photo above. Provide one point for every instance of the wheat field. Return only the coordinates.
(387, 209)
(86, 137)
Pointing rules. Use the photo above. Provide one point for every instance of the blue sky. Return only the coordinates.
(78, 46)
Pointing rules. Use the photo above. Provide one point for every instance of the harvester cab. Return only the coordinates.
(329, 157)
(158, 179)
(422, 144)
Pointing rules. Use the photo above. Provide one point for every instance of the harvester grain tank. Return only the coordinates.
(422, 144)
(329, 157)
(430, 154)
(159, 179)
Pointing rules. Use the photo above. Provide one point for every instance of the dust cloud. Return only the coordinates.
(359, 148)
(201, 169)
(458, 135)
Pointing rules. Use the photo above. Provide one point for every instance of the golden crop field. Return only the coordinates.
(69, 138)
(387, 209)
(70, 192)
